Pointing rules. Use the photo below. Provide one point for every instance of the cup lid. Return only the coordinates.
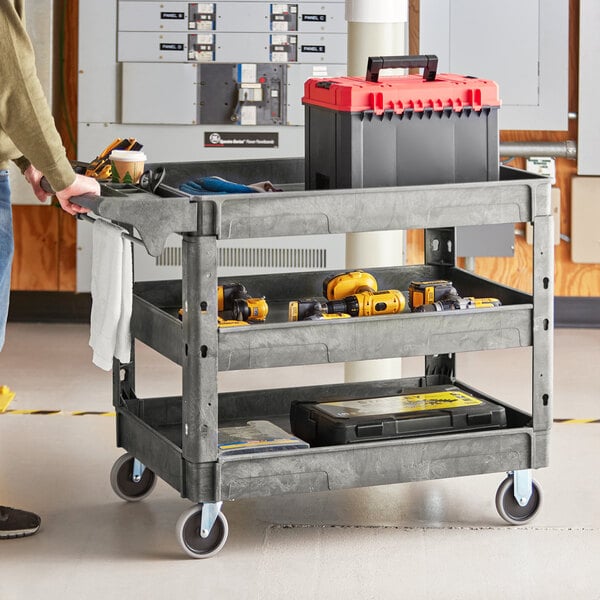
(127, 155)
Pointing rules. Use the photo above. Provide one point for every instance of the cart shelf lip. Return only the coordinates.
(516, 198)
(379, 209)
(379, 463)
(375, 337)
(344, 340)
(444, 438)
(153, 217)
(280, 343)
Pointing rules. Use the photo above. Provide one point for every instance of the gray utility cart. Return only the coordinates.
(175, 438)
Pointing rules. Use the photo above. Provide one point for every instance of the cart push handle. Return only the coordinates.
(426, 61)
(86, 200)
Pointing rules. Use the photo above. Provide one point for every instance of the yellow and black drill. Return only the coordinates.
(353, 293)
(428, 292)
(441, 295)
(235, 306)
(455, 302)
(234, 302)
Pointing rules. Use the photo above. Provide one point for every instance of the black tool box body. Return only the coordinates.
(427, 411)
(398, 131)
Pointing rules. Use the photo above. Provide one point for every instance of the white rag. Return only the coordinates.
(112, 295)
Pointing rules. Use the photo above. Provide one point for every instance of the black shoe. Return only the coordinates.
(16, 523)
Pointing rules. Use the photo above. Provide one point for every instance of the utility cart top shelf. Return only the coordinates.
(516, 198)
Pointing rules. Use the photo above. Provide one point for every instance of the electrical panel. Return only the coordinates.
(522, 45)
(144, 81)
(210, 32)
(207, 46)
(220, 93)
(588, 121)
(248, 94)
(231, 63)
(206, 81)
(241, 17)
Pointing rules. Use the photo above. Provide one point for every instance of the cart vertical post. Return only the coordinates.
(200, 356)
(440, 249)
(543, 312)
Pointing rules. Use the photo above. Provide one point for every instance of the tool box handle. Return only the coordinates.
(427, 61)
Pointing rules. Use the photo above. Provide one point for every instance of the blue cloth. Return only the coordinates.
(211, 186)
(6, 250)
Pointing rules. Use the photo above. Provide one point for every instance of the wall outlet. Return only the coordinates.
(542, 165)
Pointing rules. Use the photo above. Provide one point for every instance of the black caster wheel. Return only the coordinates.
(121, 480)
(188, 533)
(508, 507)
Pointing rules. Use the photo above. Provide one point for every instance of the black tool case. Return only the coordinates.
(426, 411)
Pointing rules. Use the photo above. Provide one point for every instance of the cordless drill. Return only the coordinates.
(353, 293)
(233, 298)
(456, 302)
(428, 292)
(362, 304)
(440, 295)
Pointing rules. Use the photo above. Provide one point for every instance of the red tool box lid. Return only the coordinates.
(410, 92)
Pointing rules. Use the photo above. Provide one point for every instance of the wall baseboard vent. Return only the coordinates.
(257, 258)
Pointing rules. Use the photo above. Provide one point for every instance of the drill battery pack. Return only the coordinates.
(420, 412)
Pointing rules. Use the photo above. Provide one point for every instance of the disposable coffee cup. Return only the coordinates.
(127, 166)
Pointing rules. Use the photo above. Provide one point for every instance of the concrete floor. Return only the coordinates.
(435, 539)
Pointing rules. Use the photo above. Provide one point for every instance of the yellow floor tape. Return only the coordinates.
(6, 397)
(97, 413)
(73, 413)
(576, 421)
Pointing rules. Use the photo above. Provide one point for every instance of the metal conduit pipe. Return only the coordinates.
(566, 149)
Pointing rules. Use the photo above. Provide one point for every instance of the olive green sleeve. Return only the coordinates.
(25, 116)
(22, 163)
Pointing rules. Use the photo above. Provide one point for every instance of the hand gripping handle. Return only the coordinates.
(86, 200)
(426, 61)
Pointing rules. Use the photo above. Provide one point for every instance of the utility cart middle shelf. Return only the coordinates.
(277, 343)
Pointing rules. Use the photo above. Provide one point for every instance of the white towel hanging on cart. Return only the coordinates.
(112, 295)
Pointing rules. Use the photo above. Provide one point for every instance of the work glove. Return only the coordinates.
(214, 186)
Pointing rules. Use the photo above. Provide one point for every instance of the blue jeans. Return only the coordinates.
(6, 250)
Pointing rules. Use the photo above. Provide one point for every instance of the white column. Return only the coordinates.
(375, 28)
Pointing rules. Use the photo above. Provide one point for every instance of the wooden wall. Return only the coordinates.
(46, 238)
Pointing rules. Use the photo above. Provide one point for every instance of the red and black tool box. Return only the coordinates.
(394, 131)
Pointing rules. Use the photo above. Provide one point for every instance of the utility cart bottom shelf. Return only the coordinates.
(151, 430)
